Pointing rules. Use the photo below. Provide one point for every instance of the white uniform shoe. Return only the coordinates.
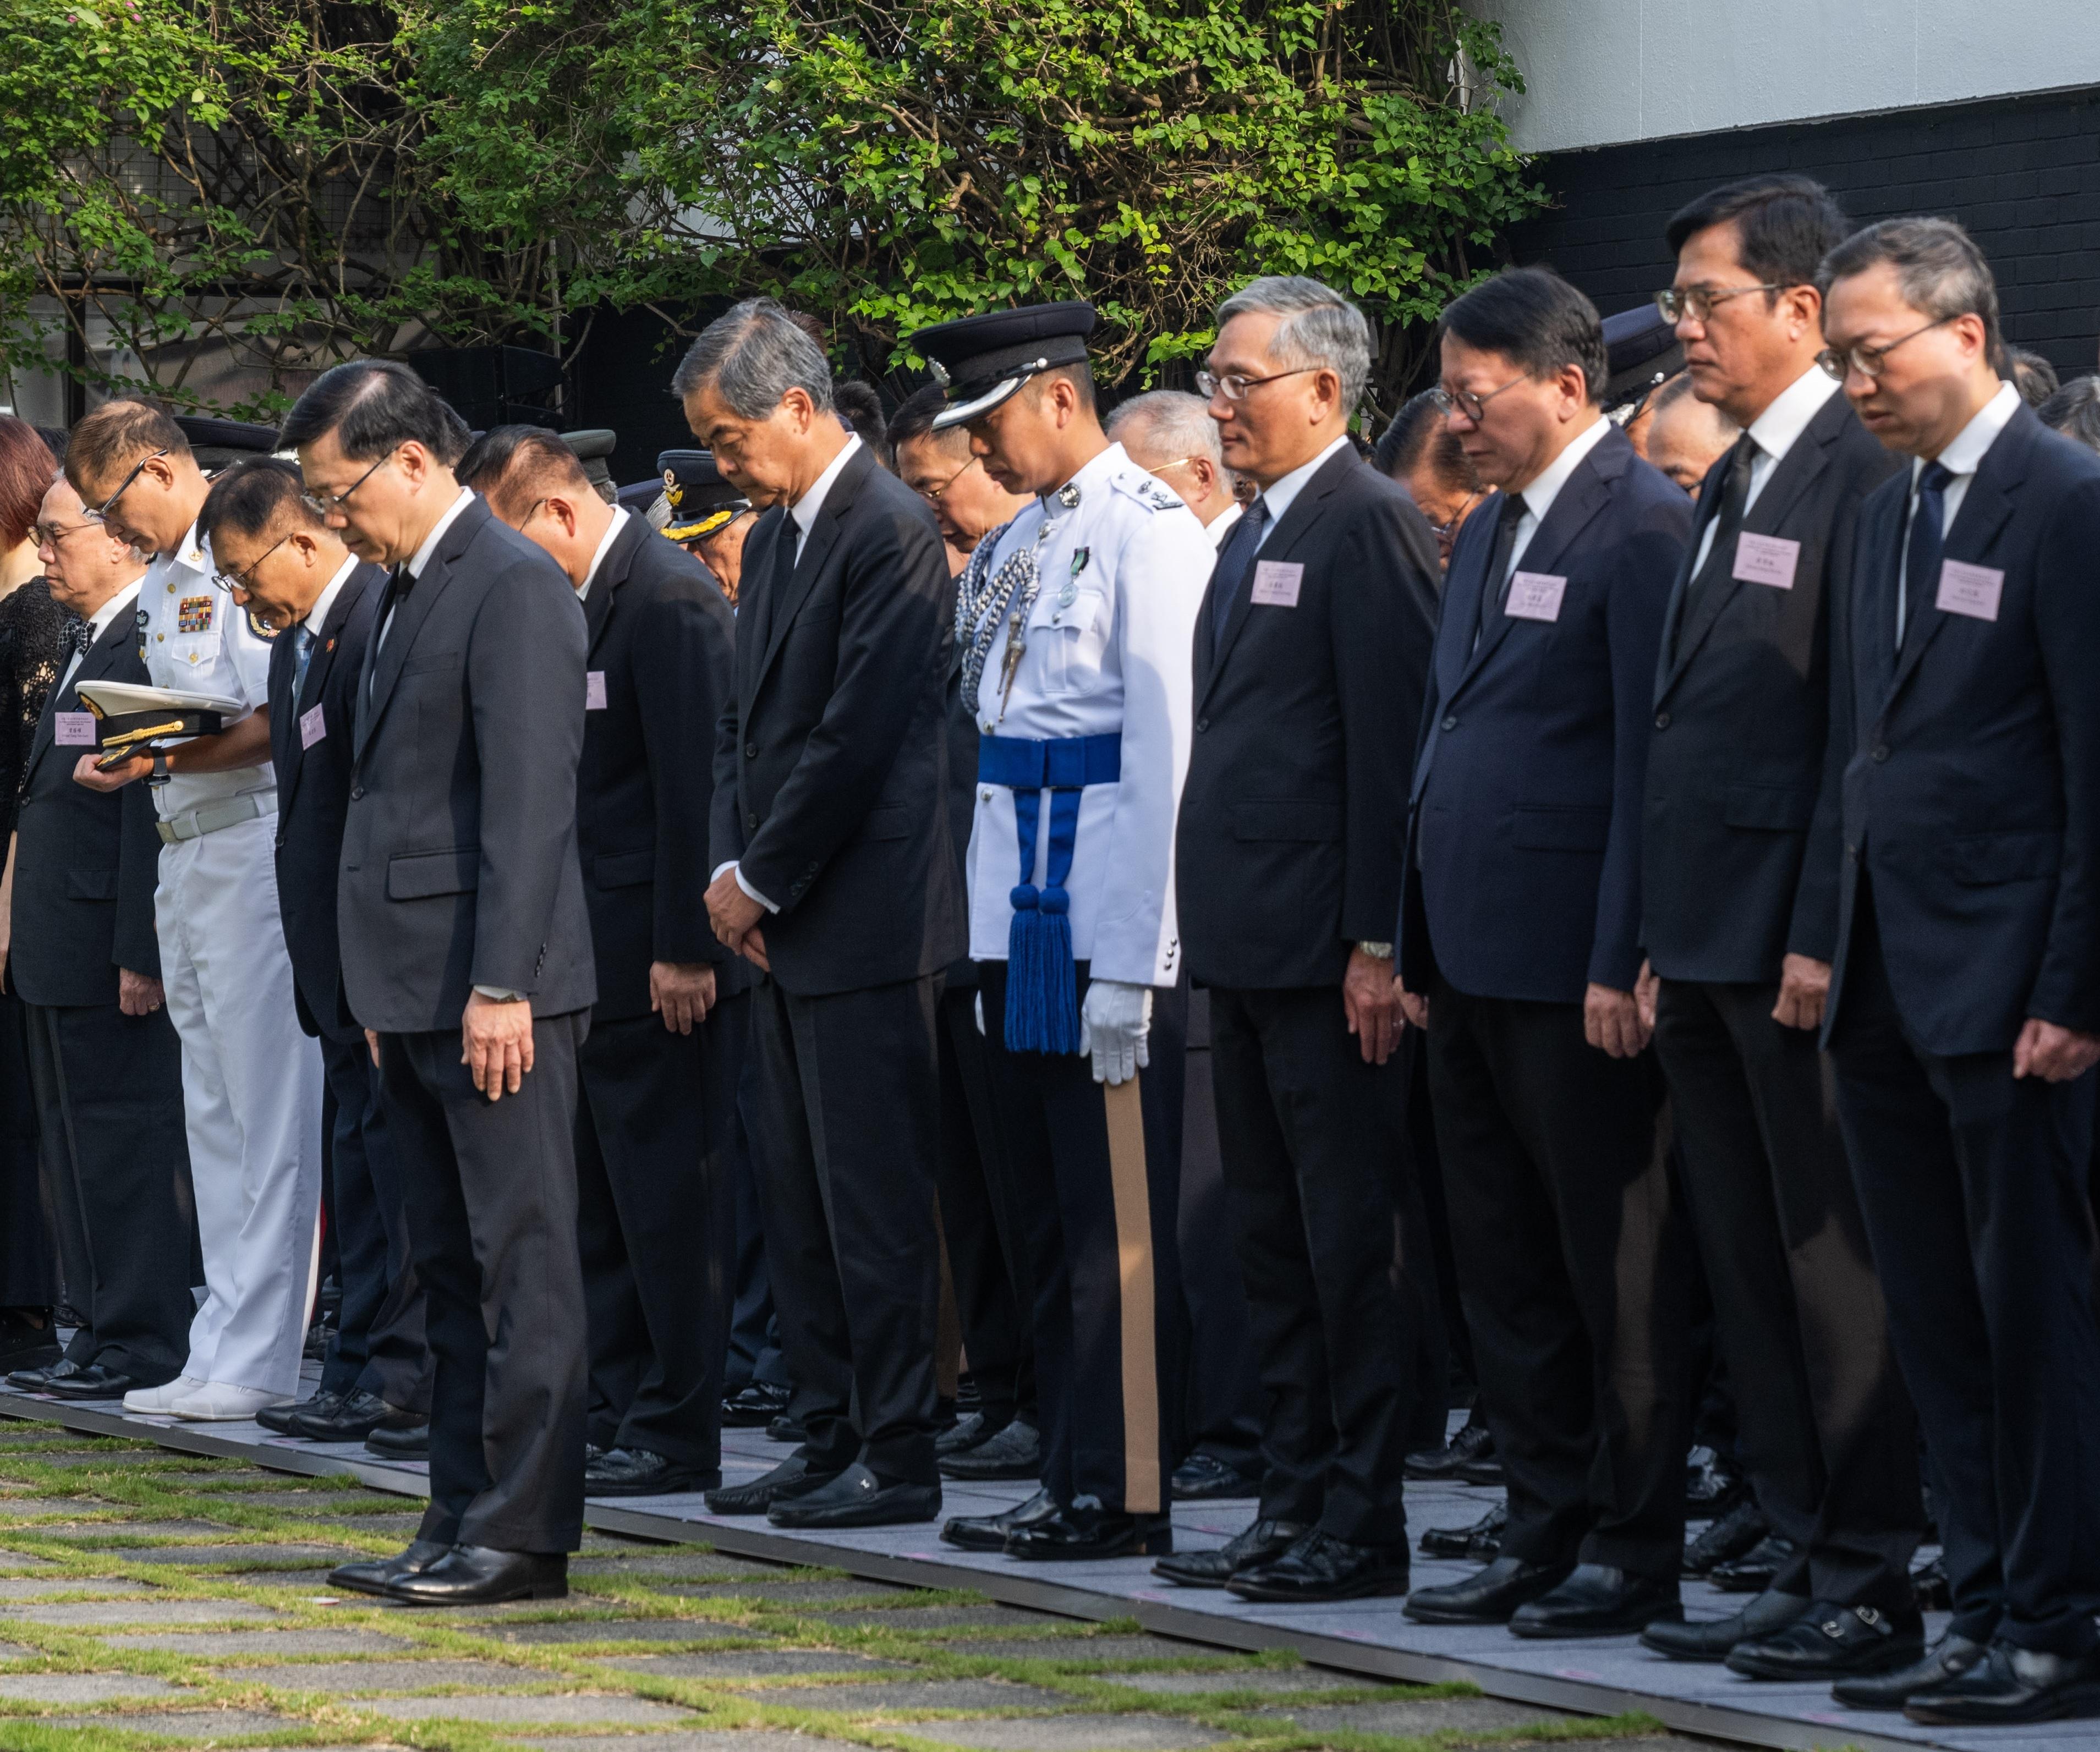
(160, 1398)
(221, 1403)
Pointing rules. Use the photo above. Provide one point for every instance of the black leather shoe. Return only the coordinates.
(1712, 1484)
(987, 1532)
(1757, 1568)
(1014, 1452)
(1487, 1470)
(1473, 1442)
(479, 1575)
(1077, 1534)
(1832, 1642)
(35, 1380)
(787, 1429)
(1321, 1567)
(791, 1478)
(754, 1405)
(1205, 1478)
(1948, 1658)
(1724, 1540)
(643, 1472)
(403, 1437)
(1488, 1596)
(1482, 1540)
(1261, 1543)
(1597, 1600)
(29, 1338)
(277, 1420)
(858, 1497)
(96, 1381)
(354, 1417)
(376, 1575)
(1930, 1585)
(2011, 1684)
(965, 1432)
(1711, 1639)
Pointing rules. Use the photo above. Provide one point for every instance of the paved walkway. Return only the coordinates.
(150, 1599)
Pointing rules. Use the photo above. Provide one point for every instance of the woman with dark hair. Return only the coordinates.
(30, 626)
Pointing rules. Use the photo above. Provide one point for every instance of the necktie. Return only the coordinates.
(1927, 542)
(1234, 565)
(302, 657)
(1727, 526)
(75, 638)
(1495, 587)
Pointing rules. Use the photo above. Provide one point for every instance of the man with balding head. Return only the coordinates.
(1687, 436)
(1171, 434)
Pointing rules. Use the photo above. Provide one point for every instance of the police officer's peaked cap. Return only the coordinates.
(1641, 349)
(592, 446)
(980, 361)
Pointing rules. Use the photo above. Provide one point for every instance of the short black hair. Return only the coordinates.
(1785, 225)
(1418, 431)
(374, 406)
(249, 497)
(522, 462)
(860, 407)
(2075, 411)
(1536, 320)
(913, 420)
(1080, 375)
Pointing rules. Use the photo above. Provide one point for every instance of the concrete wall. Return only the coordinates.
(1605, 71)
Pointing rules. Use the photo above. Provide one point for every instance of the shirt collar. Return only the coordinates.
(1539, 495)
(805, 510)
(1965, 454)
(604, 546)
(1096, 471)
(99, 621)
(1221, 525)
(193, 553)
(1280, 496)
(452, 513)
(1777, 429)
(317, 616)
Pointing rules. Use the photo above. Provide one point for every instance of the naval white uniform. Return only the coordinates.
(251, 1077)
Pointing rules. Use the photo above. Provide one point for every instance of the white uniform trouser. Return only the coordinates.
(251, 1102)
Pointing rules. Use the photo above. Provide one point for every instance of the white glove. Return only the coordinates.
(1115, 1026)
(978, 1001)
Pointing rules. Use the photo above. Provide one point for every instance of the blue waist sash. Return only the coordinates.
(1042, 985)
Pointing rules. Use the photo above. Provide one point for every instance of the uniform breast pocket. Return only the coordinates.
(1076, 636)
(189, 651)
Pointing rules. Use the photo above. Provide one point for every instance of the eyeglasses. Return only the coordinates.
(1867, 360)
(1445, 531)
(1160, 468)
(243, 577)
(1234, 385)
(102, 511)
(49, 535)
(325, 502)
(1678, 303)
(932, 494)
(1466, 401)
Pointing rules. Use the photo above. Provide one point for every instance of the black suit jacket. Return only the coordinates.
(459, 861)
(831, 758)
(313, 795)
(1742, 694)
(87, 862)
(1523, 864)
(1969, 761)
(662, 642)
(1294, 812)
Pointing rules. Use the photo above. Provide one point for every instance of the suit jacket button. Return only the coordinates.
(1662, 721)
(1881, 751)
(1202, 723)
(751, 751)
(356, 793)
(751, 820)
(1450, 723)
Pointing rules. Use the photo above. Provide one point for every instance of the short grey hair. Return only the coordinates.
(1169, 420)
(751, 357)
(1939, 271)
(1320, 327)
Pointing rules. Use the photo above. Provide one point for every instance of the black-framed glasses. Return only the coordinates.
(932, 494)
(1867, 360)
(50, 534)
(1468, 404)
(100, 513)
(243, 577)
(1234, 385)
(1677, 303)
(323, 503)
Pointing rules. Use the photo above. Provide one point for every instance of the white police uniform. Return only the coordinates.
(251, 1078)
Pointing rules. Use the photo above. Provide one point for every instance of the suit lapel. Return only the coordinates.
(102, 657)
(1462, 586)
(823, 537)
(383, 665)
(1668, 668)
(326, 638)
(599, 606)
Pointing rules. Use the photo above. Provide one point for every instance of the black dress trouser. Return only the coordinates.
(754, 1329)
(1826, 1436)
(29, 1248)
(1974, 1187)
(491, 1192)
(654, 1218)
(847, 1132)
(1572, 1255)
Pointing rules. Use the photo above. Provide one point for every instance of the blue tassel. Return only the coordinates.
(1042, 988)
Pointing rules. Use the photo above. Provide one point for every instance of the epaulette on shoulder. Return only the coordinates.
(1146, 489)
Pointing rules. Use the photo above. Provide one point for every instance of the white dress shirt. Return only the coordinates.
(1963, 456)
(421, 558)
(1774, 432)
(1539, 495)
(604, 546)
(98, 623)
(317, 616)
(1221, 526)
(1284, 494)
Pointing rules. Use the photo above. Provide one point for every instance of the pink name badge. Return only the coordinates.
(313, 727)
(1535, 596)
(594, 691)
(73, 729)
(1276, 582)
(1767, 559)
(1970, 590)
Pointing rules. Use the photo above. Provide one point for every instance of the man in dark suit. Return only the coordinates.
(287, 568)
(1964, 1011)
(1310, 652)
(104, 1061)
(1519, 948)
(834, 872)
(466, 950)
(658, 1092)
(1739, 933)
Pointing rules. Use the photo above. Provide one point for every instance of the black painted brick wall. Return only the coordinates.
(2023, 173)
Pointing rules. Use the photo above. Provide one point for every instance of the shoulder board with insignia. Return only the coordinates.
(1148, 491)
(258, 626)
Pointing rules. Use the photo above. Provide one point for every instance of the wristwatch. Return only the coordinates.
(1377, 951)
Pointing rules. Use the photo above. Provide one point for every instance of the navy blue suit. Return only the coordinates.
(1967, 794)
(1523, 888)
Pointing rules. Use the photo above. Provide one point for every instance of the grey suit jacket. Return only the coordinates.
(459, 858)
